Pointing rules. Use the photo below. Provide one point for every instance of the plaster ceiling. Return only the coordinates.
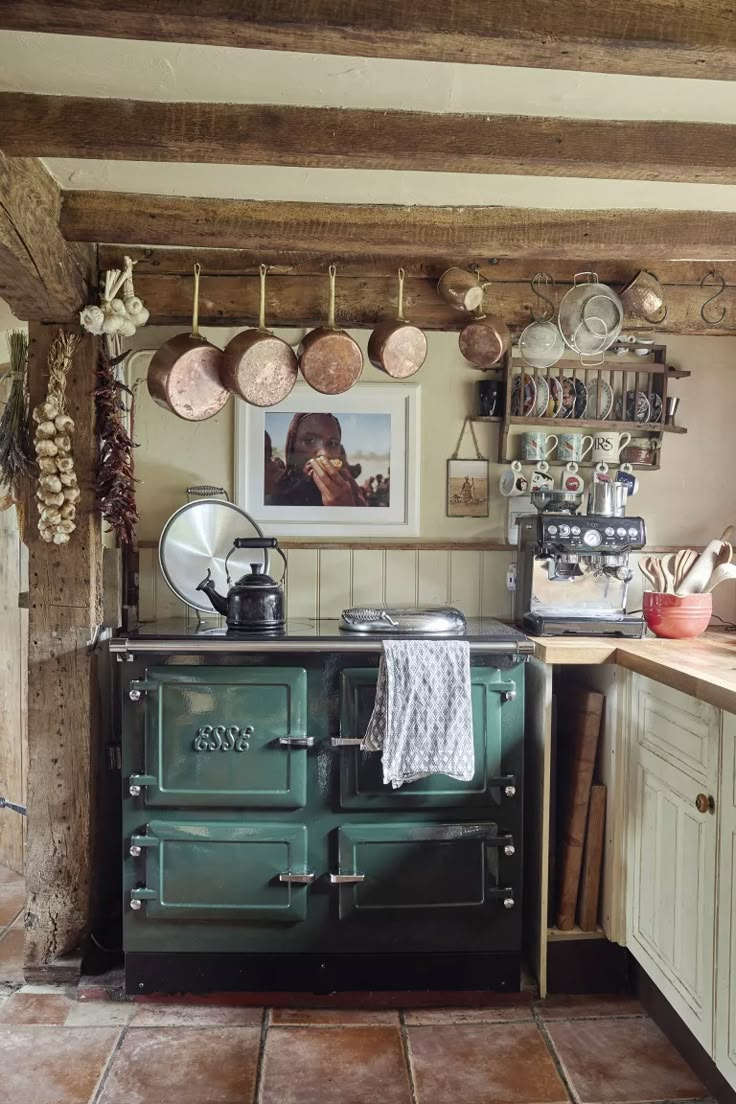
(68, 65)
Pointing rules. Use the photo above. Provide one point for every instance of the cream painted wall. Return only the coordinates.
(692, 496)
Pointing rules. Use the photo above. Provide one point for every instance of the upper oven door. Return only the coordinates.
(222, 736)
(497, 698)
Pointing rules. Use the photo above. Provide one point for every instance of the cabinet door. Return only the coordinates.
(672, 849)
(221, 871)
(498, 729)
(726, 972)
(223, 736)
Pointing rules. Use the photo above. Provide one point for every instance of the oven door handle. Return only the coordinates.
(296, 877)
(340, 878)
(296, 741)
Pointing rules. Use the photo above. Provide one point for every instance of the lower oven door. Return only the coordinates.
(188, 870)
(420, 887)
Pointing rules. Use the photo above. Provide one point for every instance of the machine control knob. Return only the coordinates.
(134, 850)
(508, 902)
(510, 791)
(592, 538)
(564, 530)
(609, 531)
(509, 850)
(575, 530)
(552, 530)
(621, 532)
(633, 532)
(135, 904)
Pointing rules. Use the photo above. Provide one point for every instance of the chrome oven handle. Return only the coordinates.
(346, 879)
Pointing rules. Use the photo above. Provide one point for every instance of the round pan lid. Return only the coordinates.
(199, 537)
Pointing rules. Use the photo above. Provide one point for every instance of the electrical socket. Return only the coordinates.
(511, 577)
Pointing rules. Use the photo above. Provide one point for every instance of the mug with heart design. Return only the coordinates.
(513, 481)
(537, 444)
(573, 446)
(608, 446)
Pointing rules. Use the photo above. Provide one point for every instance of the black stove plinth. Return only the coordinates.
(540, 625)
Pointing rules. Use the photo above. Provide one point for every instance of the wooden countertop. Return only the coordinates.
(704, 668)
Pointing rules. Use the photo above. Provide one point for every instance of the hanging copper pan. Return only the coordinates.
(258, 366)
(184, 374)
(484, 340)
(395, 346)
(331, 362)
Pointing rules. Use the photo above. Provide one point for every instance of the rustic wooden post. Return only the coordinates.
(65, 598)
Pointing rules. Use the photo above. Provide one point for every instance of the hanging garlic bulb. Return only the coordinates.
(57, 489)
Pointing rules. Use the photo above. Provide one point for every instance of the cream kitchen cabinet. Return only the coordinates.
(725, 1040)
(672, 848)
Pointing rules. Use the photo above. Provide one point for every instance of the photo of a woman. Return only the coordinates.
(312, 466)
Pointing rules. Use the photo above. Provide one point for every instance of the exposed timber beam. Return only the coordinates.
(396, 231)
(41, 277)
(650, 37)
(327, 137)
(362, 300)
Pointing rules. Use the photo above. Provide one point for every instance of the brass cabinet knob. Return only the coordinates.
(705, 803)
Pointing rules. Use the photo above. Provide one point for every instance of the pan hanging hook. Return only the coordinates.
(714, 277)
(543, 280)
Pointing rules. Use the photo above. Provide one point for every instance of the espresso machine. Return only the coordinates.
(573, 571)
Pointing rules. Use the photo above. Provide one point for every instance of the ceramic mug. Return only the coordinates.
(607, 446)
(570, 480)
(573, 446)
(513, 481)
(541, 478)
(535, 445)
(642, 450)
(491, 397)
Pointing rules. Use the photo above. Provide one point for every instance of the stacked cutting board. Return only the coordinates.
(581, 815)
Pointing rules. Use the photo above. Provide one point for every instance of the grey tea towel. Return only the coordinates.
(422, 719)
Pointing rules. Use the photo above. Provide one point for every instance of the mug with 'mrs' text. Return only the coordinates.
(607, 446)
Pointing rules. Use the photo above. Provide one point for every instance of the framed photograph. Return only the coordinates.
(332, 466)
(467, 488)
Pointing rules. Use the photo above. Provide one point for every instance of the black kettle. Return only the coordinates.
(254, 603)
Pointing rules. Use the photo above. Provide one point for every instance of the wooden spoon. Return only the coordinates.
(697, 577)
(684, 560)
(722, 574)
(647, 572)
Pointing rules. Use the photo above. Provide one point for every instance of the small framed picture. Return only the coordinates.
(467, 488)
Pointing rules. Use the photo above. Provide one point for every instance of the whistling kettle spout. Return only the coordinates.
(217, 600)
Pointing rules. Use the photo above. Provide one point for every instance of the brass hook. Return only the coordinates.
(713, 275)
(537, 280)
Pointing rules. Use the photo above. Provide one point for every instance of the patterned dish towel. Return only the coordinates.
(422, 719)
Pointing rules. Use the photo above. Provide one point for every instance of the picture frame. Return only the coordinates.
(467, 488)
(378, 430)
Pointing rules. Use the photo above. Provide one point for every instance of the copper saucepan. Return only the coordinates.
(257, 365)
(395, 346)
(484, 340)
(184, 374)
(330, 360)
(460, 289)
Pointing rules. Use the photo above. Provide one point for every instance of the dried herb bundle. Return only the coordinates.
(115, 481)
(16, 450)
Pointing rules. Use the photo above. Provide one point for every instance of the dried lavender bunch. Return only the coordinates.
(16, 449)
(115, 482)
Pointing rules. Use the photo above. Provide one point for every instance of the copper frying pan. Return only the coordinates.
(258, 366)
(184, 374)
(395, 346)
(484, 340)
(331, 362)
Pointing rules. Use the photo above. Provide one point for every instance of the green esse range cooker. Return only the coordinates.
(264, 852)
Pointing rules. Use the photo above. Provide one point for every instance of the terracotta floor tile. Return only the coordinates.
(11, 956)
(52, 1065)
(36, 1008)
(100, 1014)
(502, 1014)
(616, 1061)
(184, 1065)
(574, 1007)
(168, 1014)
(331, 1017)
(484, 1064)
(335, 1065)
(12, 901)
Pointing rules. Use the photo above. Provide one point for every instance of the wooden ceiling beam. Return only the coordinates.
(649, 37)
(396, 231)
(326, 137)
(41, 276)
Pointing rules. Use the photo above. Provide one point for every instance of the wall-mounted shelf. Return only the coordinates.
(628, 374)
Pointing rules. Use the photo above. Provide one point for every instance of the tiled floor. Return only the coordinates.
(56, 1048)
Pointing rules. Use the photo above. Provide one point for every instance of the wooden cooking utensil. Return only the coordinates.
(699, 574)
(684, 560)
(722, 574)
(648, 574)
(331, 362)
(395, 346)
(729, 533)
(667, 564)
(184, 374)
(257, 365)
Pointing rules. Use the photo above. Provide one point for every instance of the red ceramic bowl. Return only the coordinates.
(675, 617)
